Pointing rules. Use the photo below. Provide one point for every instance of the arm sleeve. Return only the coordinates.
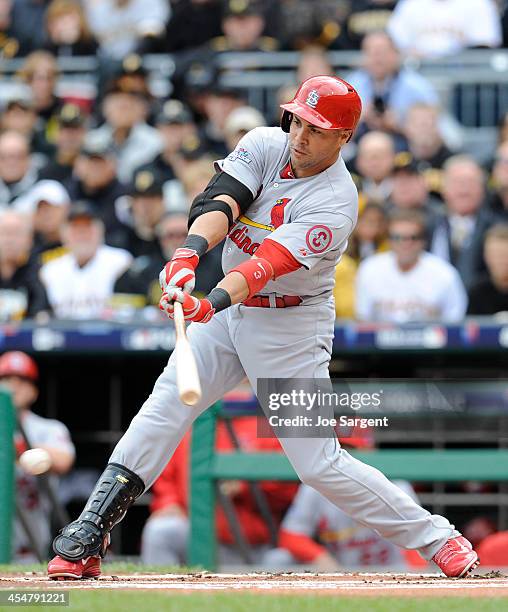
(312, 235)
(454, 300)
(246, 162)
(303, 548)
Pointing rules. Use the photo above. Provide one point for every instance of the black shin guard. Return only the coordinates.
(114, 493)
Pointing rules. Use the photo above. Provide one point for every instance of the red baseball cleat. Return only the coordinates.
(456, 558)
(60, 569)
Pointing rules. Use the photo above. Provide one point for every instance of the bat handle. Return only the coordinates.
(187, 377)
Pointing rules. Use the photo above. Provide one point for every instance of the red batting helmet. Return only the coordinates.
(16, 363)
(325, 101)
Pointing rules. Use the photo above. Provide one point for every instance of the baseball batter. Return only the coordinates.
(287, 204)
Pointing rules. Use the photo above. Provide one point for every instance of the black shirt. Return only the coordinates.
(486, 299)
(23, 294)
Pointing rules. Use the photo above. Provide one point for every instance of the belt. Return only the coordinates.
(266, 301)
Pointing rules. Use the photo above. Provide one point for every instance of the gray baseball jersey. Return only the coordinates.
(312, 218)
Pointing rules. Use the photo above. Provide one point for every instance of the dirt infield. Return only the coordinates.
(492, 584)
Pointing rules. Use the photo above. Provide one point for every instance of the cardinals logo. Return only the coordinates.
(277, 212)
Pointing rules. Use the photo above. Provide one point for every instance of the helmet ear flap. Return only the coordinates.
(285, 122)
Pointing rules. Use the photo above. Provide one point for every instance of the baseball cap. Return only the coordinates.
(245, 118)
(49, 191)
(70, 115)
(173, 112)
(97, 145)
(16, 363)
(82, 209)
(146, 183)
(405, 162)
(21, 100)
(239, 8)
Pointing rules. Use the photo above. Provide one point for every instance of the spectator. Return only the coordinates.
(28, 23)
(147, 209)
(40, 71)
(431, 28)
(17, 167)
(68, 140)
(139, 285)
(12, 42)
(311, 22)
(20, 375)
(313, 62)
(489, 295)
(134, 141)
(195, 177)
(192, 23)
(370, 234)
(374, 163)
(344, 289)
(425, 143)
(94, 180)
(243, 24)
(21, 292)
(80, 283)
(239, 122)
(19, 116)
(218, 104)
(407, 284)
(410, 191)
(464, 194)
(176, 127)
(387, 88)
(125, 26)
(365, 17)
(67, 30)
(48, 202)
(165, 535)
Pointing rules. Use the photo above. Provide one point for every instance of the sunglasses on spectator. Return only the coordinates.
(406, 237)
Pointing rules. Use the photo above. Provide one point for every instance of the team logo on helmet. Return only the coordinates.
(318, 238)
(312, 98)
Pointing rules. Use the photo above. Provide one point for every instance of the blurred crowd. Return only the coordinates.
(95, 191)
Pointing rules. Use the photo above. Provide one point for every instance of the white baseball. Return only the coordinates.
(35, 461)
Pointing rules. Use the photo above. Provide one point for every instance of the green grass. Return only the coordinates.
(109, 601)
(115, 567)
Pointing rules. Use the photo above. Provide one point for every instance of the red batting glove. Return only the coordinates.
(199, 311)
(179, 272)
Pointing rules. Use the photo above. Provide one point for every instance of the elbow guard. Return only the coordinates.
(221, 184)
(257, 272)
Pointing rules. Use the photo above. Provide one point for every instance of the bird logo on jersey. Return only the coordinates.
(277, 212)
(312, 99)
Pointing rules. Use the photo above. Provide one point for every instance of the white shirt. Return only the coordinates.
(311, 217)
(432, 28)
(430, 291)
(119, 27)
(83, 293)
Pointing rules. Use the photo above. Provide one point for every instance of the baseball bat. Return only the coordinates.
(187, 378)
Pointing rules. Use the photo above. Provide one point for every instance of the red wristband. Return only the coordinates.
(257, 272)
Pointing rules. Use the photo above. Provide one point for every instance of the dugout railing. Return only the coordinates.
(209, 467)
(7, 455)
